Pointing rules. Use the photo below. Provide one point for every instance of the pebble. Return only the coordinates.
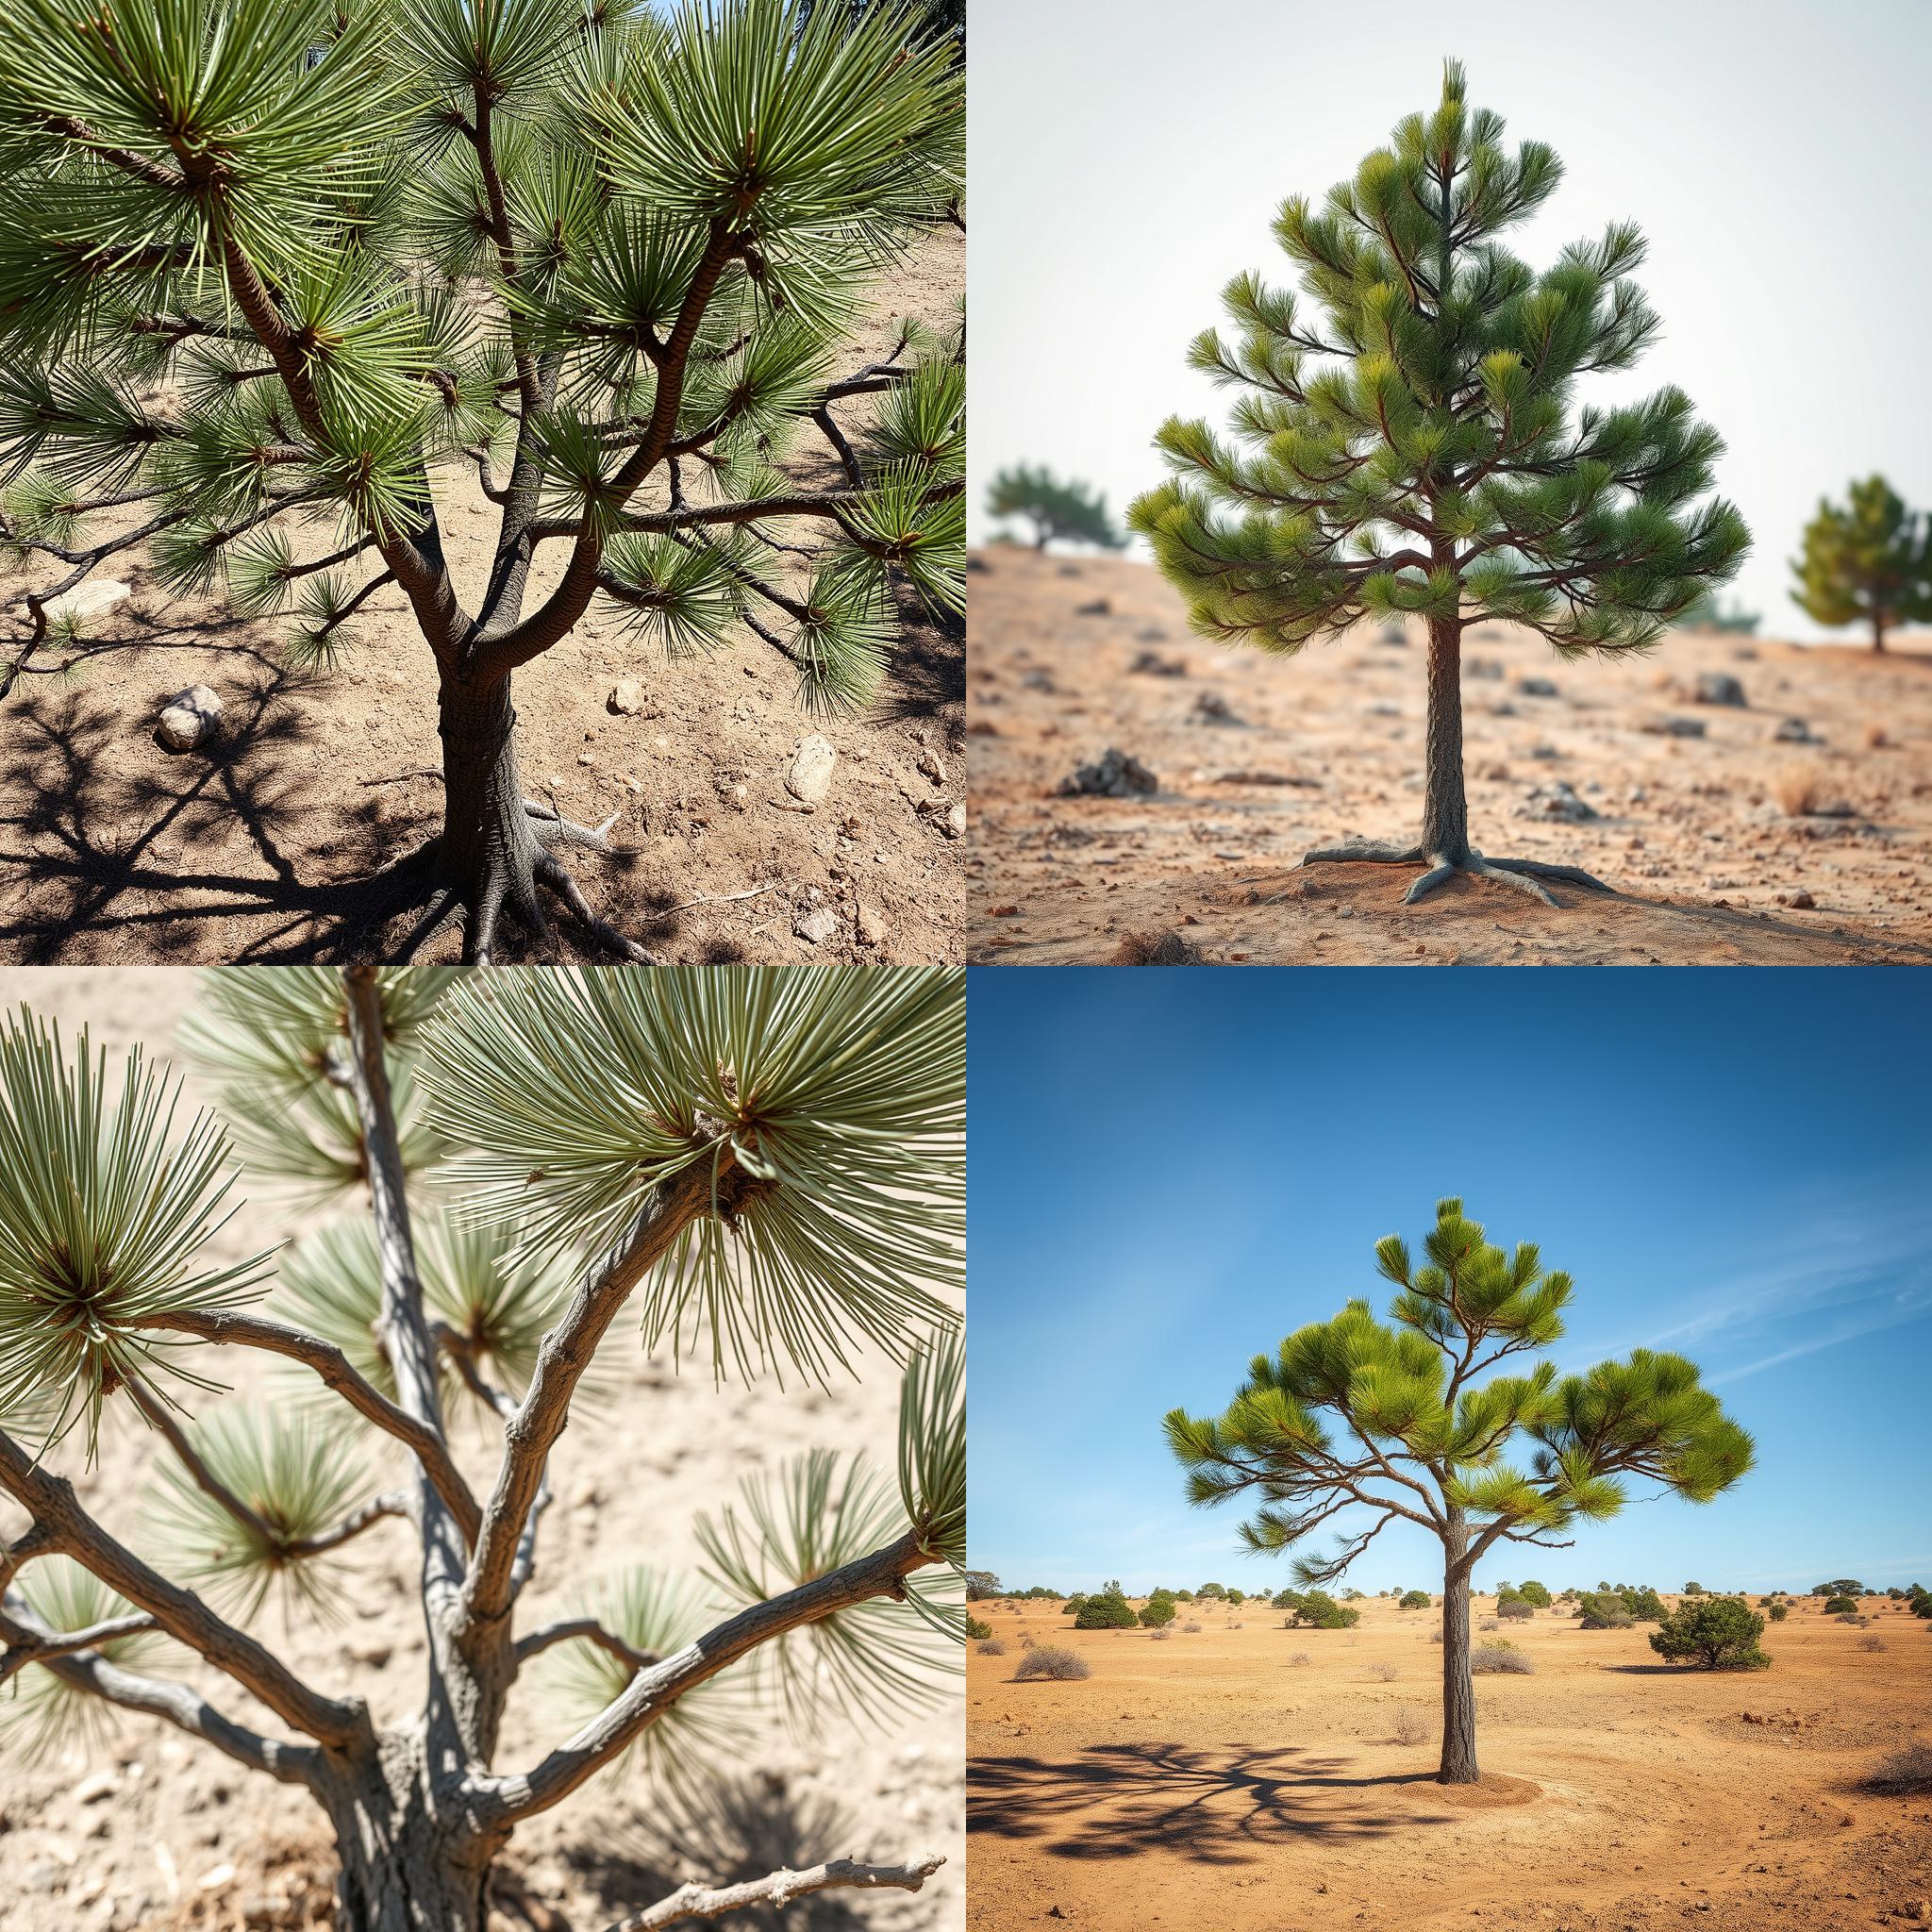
(813, 759)
(1536, 688)
(627, 699)
(954, 824)
(189, 719)
(1718, 687)
(816, 926)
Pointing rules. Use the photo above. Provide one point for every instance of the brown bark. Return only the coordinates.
(1459, 1687)
(1446, 811)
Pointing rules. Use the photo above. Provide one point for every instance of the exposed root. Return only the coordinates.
(1523, 873)
(550, 872)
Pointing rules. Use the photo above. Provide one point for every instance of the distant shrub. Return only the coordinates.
(1906, 1772)
(1645, 1606)
(1534, 1593)
(1841, 1607)
(1210, 1590)
(1191, 1628)
(1298, 1657)
(1603, 1609)
(1515, 1607)
(1487, 1659)
(975, 1628)
(1318, 1611)
(1871, 1644)
(1718, 1633)
(1184, 1596)
(1052, 1661)
(1286, 1599)
(1417, 1600)
(1777, 1613)
(1489, 1623)
(1109, 1610)
(1158, 1609)
(991, 1646)
(1436, 1636)
(1412, 1727)
(1071, 1606)
(1694, 1590)
(1387, 1673)
(1237, 1596)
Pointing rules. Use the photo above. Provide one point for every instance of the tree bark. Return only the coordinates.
(488, 850)
(1458, 1687)
(403, 1868)
(1446, 811)
(1878, 630)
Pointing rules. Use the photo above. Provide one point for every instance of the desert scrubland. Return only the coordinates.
(1251, 1778)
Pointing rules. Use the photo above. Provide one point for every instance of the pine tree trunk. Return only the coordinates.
(1445, 813)
(1878, 630)
(488, 848)
(1458, 1686)
(402, 1869)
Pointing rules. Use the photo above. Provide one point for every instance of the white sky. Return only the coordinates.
(1127, 158)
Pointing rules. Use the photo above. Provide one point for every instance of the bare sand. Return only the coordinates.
(184, 1837)
(1247, 1777)
(1259, 759)
(112, 851)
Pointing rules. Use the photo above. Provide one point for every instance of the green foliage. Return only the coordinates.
(1073, 1604)
(1059, 512)
(1237, 1596)
(1704, 612)
(1407, 444)
(102, 1219)
(1644, 1604)
(1514, 1606)
(1719, 1633)
(1107, 1609)
(1603, 1609)
(1777, 1613)
(976, 1629)
(1920, 1599)
(1839, 1586)
(1159, 1610)
(1841, 1607)
(1209, 1592)
(1416, 1600)
(1534, 1593)
(822, 1101)
(982, 1584)
(1318, 1611)
(1866, 561)
(1694, 1590)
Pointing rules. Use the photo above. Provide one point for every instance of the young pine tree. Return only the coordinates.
(1059, 512)
(1413, 451)
(515, 1160)
(273, 271)
(1867, 562)
(1402, 1419)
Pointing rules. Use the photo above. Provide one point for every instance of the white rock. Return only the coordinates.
(85, 600)
(817, 925)
(189, 719)
(98, 1785)
(954, 824)
(812, 761)
(626, 698)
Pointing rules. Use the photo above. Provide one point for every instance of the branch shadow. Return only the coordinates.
(927, 679)
(741, 1829)
(1121, 1801)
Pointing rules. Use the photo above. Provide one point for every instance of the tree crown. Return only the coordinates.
(1868, 558)
(1415, 451)
(1056, 510)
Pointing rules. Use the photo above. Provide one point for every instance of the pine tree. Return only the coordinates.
(733, 1147)
(1414, 454)
(1869, 562)
(273, 271)
(1395, 1418)
(1059, 512)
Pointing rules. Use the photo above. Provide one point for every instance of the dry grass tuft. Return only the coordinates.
(1798, 787)
(1192, 1629)
(1052, 1661)
(1490, 1660)
(1412, 1727)
(991, 1646)
(1297, 1658)
(1387, 1673)
(1906, 1772)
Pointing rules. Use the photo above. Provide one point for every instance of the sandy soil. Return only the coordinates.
(112, 851)
(1212, 1779)
(1327, 747)
(184, 1837)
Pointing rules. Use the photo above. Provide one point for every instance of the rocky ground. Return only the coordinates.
(1252, 1777)
(145, 1828)
(249, 848)
(1751, 801)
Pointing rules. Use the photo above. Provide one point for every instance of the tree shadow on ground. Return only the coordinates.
(742, 1829)
(1117, 1801)
(927, 681)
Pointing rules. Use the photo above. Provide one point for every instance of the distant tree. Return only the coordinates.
(1841, 1607)
(1603, 1609)
(1705, 613)
(1777, 1613)
(982, 1584)
(1692, 1590)
(1534, 1593)
(1867, 562)
(1412, 452)
(1184, 1596)
(1059, 512)
(1840, 1586)
(1208, 1592)
(1107, 1609)
(1072, 1605)
(1158, 1609)
(1644, 1604)
(1237, 1596)
(1318, 1611)
(1286, 1600)
(1394, 1417)
(1720, 1633)
(1416, 1600)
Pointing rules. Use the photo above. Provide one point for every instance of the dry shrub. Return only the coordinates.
(1489, 1623)
(1871, 1644)
(1236, 1625)
(1906, 1772)
(1384, 1672)
(1192, 1629)
(1876, 738)
(991, 1646)
(1435, 1637)
(1052, 1661)
(1299, 1657)
(1798, 787)
(1161, 1632)
(1488, 1660)
(1412, 1727)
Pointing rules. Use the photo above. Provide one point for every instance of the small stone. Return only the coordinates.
(929, 763)
(1211, 708)
(1099, 607)
(873, 929)
(627, 699)
(213, 1880)
(189, 719)
(810, 774)
(1718, 687)
(1673, 727)
(584, 757)
(1152, 664)
(1114, 774)
(1556, 801)
(954, 824)
(93, 1788)
(1482, 667)
(1536, 688)
(374, 1653)
(85, 600)
(817, 925)
(1794, 731)
(1798, 902)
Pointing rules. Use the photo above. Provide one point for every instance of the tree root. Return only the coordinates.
(425, 886)
(1526, 875)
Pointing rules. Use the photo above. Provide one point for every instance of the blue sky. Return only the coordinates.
(1170, 1169)
(1127, 159)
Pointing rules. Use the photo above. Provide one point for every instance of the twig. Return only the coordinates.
(694, 1901)
(724, 898)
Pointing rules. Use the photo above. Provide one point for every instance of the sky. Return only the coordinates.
(1165, 1181)
(1127, 158)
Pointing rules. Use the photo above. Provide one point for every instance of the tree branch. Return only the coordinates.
(587, 1630)
(694, 1901)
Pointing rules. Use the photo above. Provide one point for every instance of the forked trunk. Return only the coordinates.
(1459, 1687)
(488, 848)
(403, 1870)
(1445, 813)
